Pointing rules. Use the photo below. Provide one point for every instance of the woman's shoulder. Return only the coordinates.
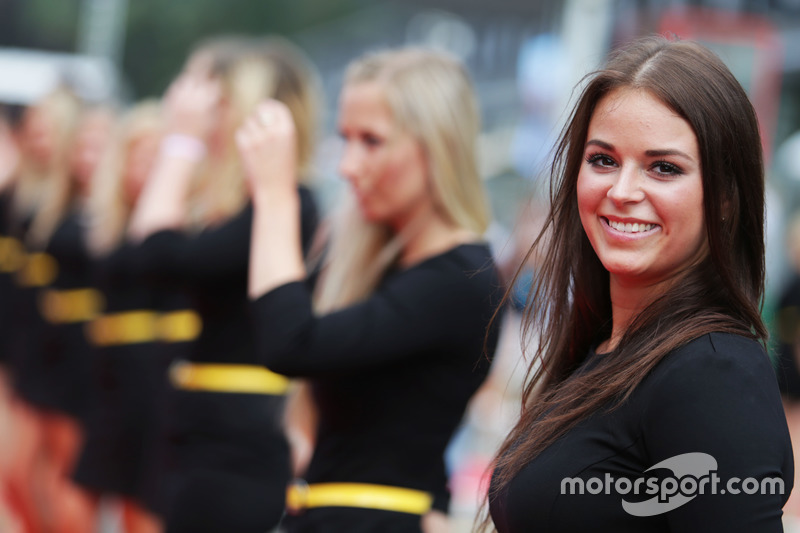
(716, 365)
(718, 349)
(469, 257)
(468, 263)
(465, 273)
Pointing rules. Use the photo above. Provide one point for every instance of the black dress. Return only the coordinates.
(65, 380)
(9, 262)
(391, 378)
(716, 396)
(229, 459)
(31, 270)
(128, 361)
(788, 340)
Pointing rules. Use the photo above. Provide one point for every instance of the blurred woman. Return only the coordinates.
(9, 159)
(41, 193)
(393, 339)
(66, 305)
(230, 458)
(652, 372)
(115, 460)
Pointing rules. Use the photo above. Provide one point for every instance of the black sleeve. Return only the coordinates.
(218, 252)
(721, 399)
(412, 311)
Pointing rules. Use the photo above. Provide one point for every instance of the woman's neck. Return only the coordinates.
(432, 236)
(627, 301)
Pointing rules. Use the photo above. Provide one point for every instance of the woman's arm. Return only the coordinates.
(267, 144)
(190, 106)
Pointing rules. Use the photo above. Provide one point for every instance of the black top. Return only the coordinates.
(391, 375)
(788, 329)
(228, 459)
(718, 396)
(212, 267)
(66, 355)
(6, 270)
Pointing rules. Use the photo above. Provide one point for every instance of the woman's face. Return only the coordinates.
(385, 165)
(640, 190)
(90, 142)
(38, 136)
(141, 156)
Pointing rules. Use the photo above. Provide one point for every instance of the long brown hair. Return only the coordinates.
(570, 303)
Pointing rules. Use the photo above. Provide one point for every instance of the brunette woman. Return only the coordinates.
(651, 343)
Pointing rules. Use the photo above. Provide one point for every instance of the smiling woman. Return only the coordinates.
(651, 351)
(640, 197)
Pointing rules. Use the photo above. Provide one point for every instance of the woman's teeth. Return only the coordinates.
(630, 228)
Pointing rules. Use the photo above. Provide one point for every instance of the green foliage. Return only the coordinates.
(48, 25)
(161, 34)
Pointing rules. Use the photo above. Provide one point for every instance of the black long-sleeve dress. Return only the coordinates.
(788, 340)
(715, 396)
(130, 359)
(10, 251)
(65, 379)
(229, 457)
(391, 378)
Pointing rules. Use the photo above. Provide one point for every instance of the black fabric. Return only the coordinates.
(391, 376)
(6, 280)
(64, 381)
(717, 395)
(788, 322)
(350, 520)
(24, 342)
(227, 459)
(129, 380)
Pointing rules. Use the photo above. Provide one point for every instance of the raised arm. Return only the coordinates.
(190, 106)
(267, 145)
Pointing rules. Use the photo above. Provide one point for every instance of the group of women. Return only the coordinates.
(175, 311)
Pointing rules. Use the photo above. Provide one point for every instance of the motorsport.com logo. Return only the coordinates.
(693, 474)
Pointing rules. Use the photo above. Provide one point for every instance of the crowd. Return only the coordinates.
(183, 332)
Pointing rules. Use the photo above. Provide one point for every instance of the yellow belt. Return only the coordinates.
(131, 327)
(227, 378)
(363, 495)
(12, 254)
(70, 306)
(38, 270)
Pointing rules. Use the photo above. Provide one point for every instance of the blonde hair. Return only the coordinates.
(430, 96)
(261, 68)
(108, 208)
(46, 191)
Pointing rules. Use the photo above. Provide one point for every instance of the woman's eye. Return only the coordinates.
(666, 169)
(371, 140)
(600, 160)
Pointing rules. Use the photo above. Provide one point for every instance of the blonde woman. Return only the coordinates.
(119, 425)
(39, 200)
(393, 338)
(230, 458)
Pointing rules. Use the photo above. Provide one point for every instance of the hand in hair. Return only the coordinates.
(267, 144)
(190, 105)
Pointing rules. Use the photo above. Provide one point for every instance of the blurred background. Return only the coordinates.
(525, 56)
